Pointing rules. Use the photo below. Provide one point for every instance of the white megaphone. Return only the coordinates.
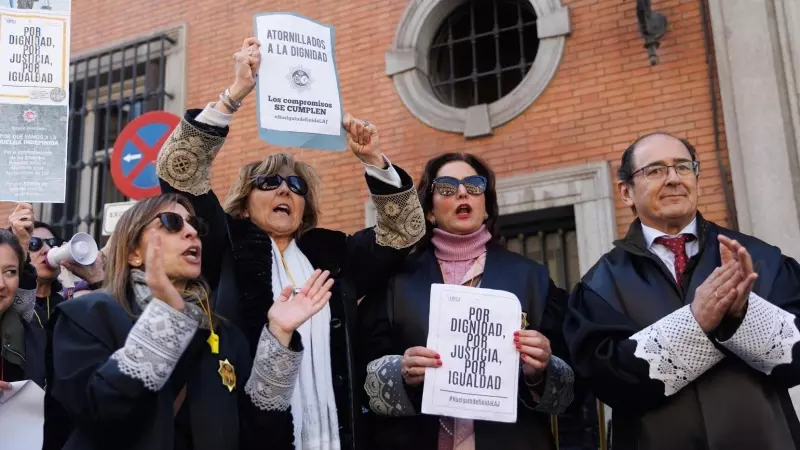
(81, 249)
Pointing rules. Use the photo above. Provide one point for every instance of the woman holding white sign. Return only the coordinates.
(266, 238)
(457, 192)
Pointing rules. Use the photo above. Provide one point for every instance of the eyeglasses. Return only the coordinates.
(659, 172)
(174, 223)
(447, 186)
(37, 243)
(272, 182)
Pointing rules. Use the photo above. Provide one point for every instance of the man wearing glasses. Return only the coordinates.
(687, 329)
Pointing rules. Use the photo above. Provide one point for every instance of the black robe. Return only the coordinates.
(731, 405)
(110, 409)
(26, 363)
(237, 263)
(398, 320)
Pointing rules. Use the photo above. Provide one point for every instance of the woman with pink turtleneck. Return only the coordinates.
(457, 192)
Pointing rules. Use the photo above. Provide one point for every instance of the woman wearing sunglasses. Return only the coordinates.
(266, 238)
(145, 364)
(460, 247)
(38, 238)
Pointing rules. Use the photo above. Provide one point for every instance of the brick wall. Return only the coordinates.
(603, 96)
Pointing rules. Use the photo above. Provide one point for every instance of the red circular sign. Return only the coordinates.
(133, 161)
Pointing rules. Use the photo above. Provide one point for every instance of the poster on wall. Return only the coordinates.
(33, 153)
(299, 102)
(34, 99)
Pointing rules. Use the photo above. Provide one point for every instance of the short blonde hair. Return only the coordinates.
(236, 203)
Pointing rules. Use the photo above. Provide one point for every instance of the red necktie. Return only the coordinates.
(677, 245)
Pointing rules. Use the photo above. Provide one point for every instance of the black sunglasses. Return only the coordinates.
(37, 243)
(174, 222)
(447, 186)
(272, 182)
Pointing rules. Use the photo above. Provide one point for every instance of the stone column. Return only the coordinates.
(757, 45)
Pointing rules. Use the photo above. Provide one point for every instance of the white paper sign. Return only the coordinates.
(34, 50)
(22, 416)
(472, 329)
(298, 87)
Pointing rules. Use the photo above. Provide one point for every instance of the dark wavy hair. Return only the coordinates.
(8, 238)
(425, 192)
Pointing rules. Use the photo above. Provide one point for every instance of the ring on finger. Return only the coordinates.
(405, 371)
(366, 123)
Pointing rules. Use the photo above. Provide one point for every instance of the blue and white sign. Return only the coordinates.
(299, 101)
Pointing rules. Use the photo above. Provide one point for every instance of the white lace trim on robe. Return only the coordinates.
(766, 336)
(677, 350)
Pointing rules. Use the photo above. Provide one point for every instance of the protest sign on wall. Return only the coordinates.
(34, 100)
(472, 329)
(33, 153)
(299, 103)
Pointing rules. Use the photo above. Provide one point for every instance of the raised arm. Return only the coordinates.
(184, 162)
(372, 253)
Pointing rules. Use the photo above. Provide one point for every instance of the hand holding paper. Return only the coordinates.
(534, 349)
(415, 360)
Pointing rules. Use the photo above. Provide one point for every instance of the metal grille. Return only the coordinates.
(549, 237)
(482, 51)
(107, 90)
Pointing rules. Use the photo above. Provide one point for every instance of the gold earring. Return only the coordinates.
(433, 221)
(485, 216)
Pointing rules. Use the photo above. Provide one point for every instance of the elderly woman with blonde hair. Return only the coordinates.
(266, 238)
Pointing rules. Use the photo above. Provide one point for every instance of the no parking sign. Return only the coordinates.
(133, 161)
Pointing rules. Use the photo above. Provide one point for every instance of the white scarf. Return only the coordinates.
(316, 425)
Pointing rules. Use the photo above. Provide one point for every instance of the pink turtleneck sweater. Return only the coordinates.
(456, 255)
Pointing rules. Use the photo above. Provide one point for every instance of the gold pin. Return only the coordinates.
(524, 320)
(228, 374)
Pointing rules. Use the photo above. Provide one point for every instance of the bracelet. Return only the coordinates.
(228, 100)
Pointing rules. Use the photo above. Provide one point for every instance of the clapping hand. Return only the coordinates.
(731, 251)
(22, 224)
(155, 276)
(534, 349)
(290, 311)
(362, 140)
(714, 297)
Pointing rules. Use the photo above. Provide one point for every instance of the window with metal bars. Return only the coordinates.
(107, 90)
(482, 51)
(549, 237)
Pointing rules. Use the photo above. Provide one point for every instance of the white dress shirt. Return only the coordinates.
(664, 253)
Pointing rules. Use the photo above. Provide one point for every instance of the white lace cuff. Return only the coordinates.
(677, 350)
(558, 393)
(766, 336)
(155, 344)
(386, 389)
(25, 303)
(274, 374)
